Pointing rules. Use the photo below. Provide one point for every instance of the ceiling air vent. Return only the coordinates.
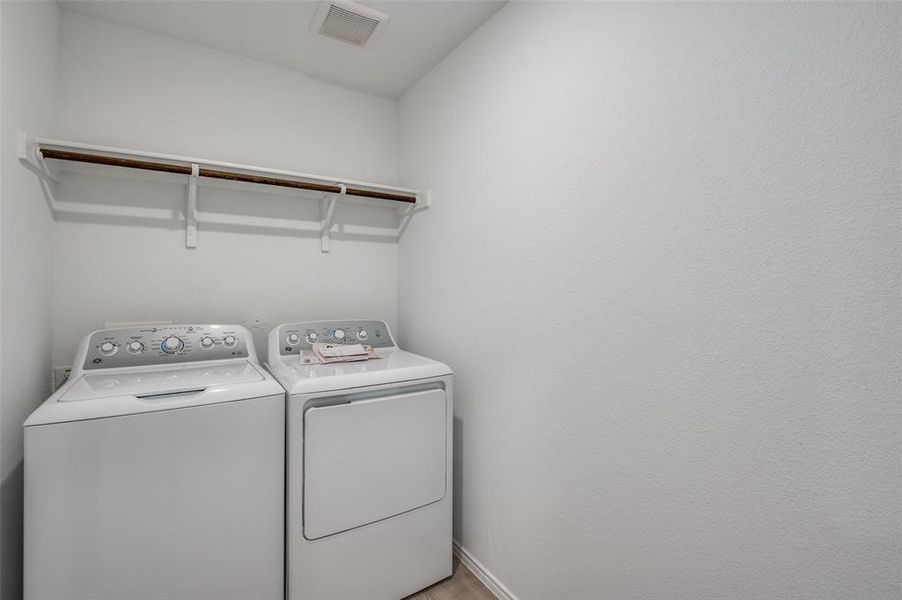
(347, 21)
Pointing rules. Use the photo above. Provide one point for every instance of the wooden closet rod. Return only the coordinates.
(100, 159)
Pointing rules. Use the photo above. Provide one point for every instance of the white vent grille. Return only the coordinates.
(347, 21)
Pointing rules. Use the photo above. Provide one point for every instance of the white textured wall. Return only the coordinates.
(664, 261)
(122, 87)
(29, 56)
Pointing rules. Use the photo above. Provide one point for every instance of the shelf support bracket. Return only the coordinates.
(424, 201)
(406, 216)
(191, 209)
(29, 155)
(328, 210)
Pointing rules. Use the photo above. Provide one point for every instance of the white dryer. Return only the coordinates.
(368, 466)
(157, 471)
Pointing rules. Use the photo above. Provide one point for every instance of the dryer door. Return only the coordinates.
(371, 459)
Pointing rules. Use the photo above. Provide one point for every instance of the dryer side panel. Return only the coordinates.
(369, 460)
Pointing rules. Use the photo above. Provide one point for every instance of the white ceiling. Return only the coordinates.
(419, 34)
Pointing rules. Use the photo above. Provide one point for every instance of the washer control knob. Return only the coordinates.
(108, 348)
(362, 334)
(206, 342)
(312, 337)
(172, 344)
(338, 335)
(293, 339)
(229, 341)
(135, 347)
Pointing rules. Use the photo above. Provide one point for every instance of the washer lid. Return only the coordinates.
(159, 382)
(118, 392)
(394, 366)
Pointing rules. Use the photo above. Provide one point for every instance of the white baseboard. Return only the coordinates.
(483, 574)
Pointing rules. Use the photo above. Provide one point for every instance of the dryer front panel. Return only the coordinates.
(371, 459)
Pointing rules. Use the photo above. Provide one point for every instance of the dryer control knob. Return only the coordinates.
(108, 348)
(362, 334)
(206, 342)
(338, 335)
(172, 344)
(135, 347)
(229, 341)
(312, 337)
(293, 339)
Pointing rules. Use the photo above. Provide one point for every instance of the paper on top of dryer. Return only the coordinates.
(332, 353)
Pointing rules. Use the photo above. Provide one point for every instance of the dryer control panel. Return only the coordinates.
(144, 346)
(294, 337)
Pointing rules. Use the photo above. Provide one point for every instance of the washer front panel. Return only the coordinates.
(143, 346)
(184, 503)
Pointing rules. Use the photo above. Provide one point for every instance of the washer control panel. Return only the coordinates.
(141, 346)
(295, 337)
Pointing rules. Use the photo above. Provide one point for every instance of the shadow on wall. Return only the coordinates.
(458, 453)
(11, 507)
(141, 199)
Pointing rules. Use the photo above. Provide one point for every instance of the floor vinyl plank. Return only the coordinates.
(462, 585)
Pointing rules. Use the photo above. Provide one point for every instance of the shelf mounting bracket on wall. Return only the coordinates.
(328, 210)
(191, 208)
(30, 157)
(424, 201)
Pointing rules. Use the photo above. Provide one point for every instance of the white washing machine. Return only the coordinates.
(157, 471)
(369, 466)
